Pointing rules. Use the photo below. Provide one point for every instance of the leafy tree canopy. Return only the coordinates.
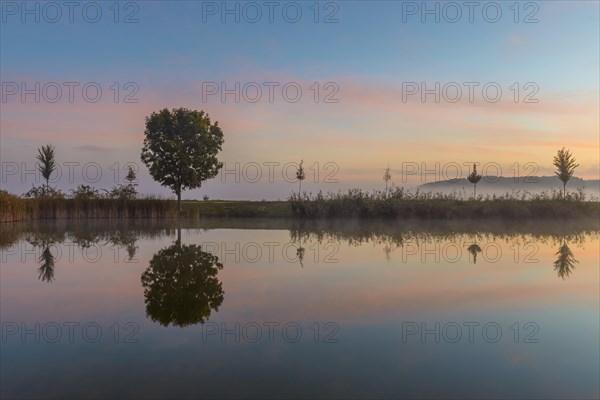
(180, 148)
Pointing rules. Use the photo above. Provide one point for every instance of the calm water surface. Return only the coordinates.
(280, 309)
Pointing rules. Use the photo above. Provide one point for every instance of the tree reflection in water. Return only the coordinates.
(565, 261)
(46, 269)
(181, 285)
(473, 250)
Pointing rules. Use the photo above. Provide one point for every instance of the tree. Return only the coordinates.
(300, 176)
(130, 178)
(474, 178)
(180, 149)
(386, 177)
(565, 167)
(47, 163)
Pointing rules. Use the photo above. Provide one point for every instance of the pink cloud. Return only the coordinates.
(370, 123)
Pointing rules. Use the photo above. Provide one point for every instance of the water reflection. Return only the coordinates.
(181, 285)
(48, 243)
(46, 269)
(565, 261)
(473, 250)
(178, 280)
(300, 253)
(391, 237)
(46, 259)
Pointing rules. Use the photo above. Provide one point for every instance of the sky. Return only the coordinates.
(349, 87)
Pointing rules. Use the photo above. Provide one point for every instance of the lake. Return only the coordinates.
(272, 309)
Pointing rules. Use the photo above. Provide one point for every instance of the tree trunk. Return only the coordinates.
(300, 189)
(178, 203)
(564, 190)
(474, 191)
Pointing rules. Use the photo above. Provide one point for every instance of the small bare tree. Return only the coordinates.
(565, 167)
(474, 178)
(386, 177)
(300, 176)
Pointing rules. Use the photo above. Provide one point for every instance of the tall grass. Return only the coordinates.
(400, 203)
(13, 208)
(395, 204)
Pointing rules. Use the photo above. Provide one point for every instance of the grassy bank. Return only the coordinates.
(398, 205)
(237, 209)
(14, 208)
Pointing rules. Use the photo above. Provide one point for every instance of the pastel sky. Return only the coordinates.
(367, 58)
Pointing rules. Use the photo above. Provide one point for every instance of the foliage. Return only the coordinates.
(387, 176)
(13, 208)
(300, 176)
(180, 148)
(474, 178)
(122, 192)
(399, 203)
(48, 192)
(85, 192)
(47, 163)
(565, 167)
(131, 177)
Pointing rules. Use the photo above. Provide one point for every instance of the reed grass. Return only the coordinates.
(13, 208)
(396, 204)
(402, 204)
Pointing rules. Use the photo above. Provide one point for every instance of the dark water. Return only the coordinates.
(280, 309)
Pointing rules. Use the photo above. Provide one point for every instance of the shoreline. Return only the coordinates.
(23, 210)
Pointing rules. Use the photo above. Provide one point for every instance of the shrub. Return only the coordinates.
(48, 192)
(85, 192)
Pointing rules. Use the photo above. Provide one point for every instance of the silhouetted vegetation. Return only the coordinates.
(402, 204)
(184, 158)
(85, 192)
(387, 176)
(84, 204)
(180, 149)
(47, 163)
(300, 176)
(565, 167)
(474, 177)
